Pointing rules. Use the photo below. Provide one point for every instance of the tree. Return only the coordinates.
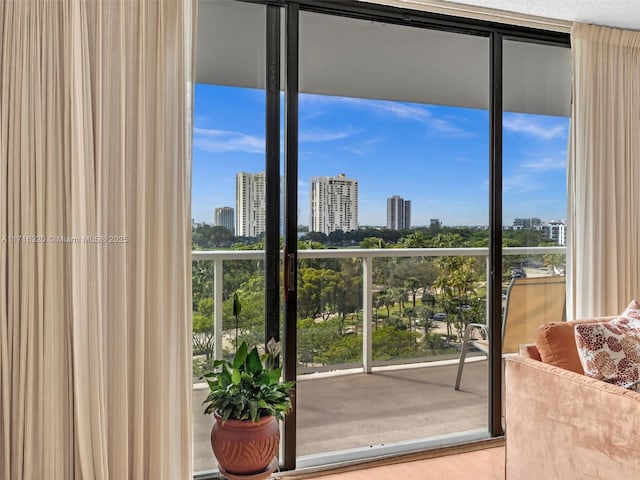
(315, 338)
(344, 349)
(211, 236)
(318, 237)
(317, 292)
(425, 314)
(412, 284)
(387, 300)
(251, 323)
(310, 245)
(555, 263)
(203, 336)
(337, 237)
(348, 295)
(434, 343)
(373, 242)
(388, 342)
(415, 240)
(237, 308)
(377, 302)
(202, 273)
(400, 296)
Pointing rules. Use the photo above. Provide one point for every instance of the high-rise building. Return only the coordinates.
(398, 213)
(556, 231)
(250, 204)
(224, 218)
(334, 204)
(522, 223)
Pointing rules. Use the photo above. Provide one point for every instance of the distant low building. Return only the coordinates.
(552, 230)
(524, 223)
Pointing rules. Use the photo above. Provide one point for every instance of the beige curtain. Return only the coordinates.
(604, 172)
(95, 279)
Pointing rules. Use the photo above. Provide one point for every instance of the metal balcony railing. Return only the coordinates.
(367, 256)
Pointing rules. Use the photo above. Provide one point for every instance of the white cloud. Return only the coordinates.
(356, 151)
(437, 126)
(546, 164)
(363, 147)
(327, 136)
(520, 123)
(217, 141)
(519, 184)
(199, 119)
(394, 109)
(447, 128)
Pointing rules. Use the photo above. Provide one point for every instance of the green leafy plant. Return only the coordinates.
(249, 386)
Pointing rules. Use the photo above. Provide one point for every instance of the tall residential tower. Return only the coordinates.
(224, 218)
(398, 213)
(334, 204)
(250, 204)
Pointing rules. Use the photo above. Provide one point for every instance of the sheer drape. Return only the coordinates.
(604, 171)
(95, 108)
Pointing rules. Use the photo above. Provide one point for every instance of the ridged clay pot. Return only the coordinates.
(244, 447)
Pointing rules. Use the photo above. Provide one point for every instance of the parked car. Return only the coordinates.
(517, 273)
(440, 316)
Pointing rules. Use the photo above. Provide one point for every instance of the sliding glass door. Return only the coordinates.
(357, 171)
(393, 155)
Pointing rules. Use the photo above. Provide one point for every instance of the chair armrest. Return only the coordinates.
(470, 326)
(530, 350)
(568, 425)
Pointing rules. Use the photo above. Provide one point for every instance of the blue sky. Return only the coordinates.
(435, 156)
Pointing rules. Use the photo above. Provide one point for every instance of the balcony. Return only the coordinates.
(382, 404)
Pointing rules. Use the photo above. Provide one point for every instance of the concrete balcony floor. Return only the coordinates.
(394, 404)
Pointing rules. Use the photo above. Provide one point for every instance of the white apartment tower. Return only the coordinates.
(398, 213)
(334, 204)
(224, 218)
(555, 231)
(250, 204)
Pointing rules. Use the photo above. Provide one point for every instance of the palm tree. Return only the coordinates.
(387, 299)
(413, 284)
(553, 262)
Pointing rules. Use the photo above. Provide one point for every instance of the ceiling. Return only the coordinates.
(358, 59)
(612, 13)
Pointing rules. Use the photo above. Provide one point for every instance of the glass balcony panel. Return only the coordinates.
(537, 84)
(227, 194)
(339, 407)
(401, 113)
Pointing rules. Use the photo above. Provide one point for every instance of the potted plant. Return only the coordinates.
(247, 399)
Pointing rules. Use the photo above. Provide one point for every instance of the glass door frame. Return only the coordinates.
(496, 32)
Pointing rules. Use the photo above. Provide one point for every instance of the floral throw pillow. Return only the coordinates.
(630, 317)
(610, 351)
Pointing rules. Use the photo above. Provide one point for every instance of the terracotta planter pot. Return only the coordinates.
(243, 447)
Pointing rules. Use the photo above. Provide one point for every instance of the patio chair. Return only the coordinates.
(530, 303)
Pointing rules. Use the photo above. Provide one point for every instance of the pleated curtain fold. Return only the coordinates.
(604, 172)
(95, 239)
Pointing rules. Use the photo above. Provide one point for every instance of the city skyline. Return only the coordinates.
(436, 156)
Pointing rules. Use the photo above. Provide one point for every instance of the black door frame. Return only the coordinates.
(497, 33)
